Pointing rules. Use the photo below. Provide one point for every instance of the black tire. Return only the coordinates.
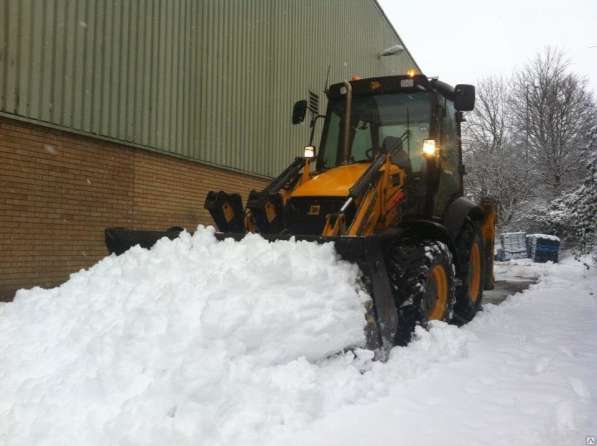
(411, 266)
(469, 291)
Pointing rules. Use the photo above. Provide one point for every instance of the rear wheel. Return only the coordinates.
(422, 278)
(469, 292)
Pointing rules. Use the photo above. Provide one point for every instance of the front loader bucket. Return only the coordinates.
(118, 240)
(366, 252)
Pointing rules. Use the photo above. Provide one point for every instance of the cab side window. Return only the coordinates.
(450, 153)
(450, 179)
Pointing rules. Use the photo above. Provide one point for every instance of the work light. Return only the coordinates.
(429, 147)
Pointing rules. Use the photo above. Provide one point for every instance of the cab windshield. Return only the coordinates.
(375, 118)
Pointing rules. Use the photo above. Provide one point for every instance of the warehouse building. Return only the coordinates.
(126, 112)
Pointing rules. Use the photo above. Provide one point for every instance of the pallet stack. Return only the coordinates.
(512, 246)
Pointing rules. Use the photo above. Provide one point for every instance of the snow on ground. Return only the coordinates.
(522, 373)
(201, 342)
(516, 270)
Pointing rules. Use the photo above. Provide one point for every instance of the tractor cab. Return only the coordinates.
(413, 119)
(397, 121)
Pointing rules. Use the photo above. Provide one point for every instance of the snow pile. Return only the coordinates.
(194, 343)
(195, 340)
(521, 373)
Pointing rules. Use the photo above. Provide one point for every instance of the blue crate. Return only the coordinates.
(543, 248)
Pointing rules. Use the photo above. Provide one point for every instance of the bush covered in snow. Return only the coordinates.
(574, 215)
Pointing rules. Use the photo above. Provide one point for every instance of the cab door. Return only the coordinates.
(450, 177)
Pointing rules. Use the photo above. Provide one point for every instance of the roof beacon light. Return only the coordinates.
(429, 147)
(309, 151)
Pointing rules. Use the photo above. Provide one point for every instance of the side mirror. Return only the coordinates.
(464, 97)
(299, 111)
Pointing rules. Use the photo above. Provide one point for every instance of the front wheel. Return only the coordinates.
(422, 278)
(469, 292)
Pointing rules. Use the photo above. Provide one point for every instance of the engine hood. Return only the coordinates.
(334, 182)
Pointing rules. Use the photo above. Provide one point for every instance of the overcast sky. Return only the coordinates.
(464, 40)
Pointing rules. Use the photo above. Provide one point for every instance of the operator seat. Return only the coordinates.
(393, 146)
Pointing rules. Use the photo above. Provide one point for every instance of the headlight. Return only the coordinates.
(429, 147)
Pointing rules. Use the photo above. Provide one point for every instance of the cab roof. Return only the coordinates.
(391, 84)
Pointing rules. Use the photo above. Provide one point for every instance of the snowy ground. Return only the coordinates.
(511, 278)
(522, 373)
(199, 342)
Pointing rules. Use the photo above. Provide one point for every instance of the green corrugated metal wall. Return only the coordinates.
(209, 80)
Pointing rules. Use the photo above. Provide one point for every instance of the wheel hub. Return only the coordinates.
(436, 297)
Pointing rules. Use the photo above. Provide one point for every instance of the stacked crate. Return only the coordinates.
(543, 247)
(513, 246)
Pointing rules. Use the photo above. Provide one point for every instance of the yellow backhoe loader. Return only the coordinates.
(385, 186)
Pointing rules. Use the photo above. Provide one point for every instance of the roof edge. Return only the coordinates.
(384, 15)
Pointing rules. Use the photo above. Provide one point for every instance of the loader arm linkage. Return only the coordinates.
(263, 213)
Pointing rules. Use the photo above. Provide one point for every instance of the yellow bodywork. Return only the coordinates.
(331, 183)
(376, 210)
(488, 234)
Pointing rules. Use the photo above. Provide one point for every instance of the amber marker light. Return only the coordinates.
(411, 73)
(429, 147)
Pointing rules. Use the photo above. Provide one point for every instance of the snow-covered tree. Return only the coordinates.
(526, 145)
(552, 111)
(496, 168)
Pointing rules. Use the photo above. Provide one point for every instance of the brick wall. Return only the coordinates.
(58, 191)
